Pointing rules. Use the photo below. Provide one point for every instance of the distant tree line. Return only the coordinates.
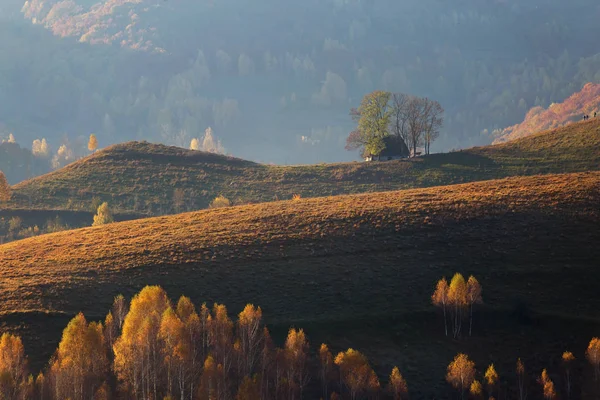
(15, 228)
(410, 121)
(20, 163)
(175, 95)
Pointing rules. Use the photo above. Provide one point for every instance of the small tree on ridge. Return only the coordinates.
(92, 143)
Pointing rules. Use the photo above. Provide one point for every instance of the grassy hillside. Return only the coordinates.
(360, 267)
(142, 177)
(586, 101)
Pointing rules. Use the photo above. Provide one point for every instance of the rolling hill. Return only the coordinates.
(359, 267)
(142, 177)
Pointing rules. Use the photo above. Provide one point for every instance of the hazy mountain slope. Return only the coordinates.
(276, 83)
(585, 102)
(142, 177)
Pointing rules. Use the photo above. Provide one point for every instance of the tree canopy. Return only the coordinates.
(411, 121)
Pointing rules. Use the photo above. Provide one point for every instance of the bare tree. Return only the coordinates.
(400, 102)
(433, 119)
(415, 123)
(415, 120)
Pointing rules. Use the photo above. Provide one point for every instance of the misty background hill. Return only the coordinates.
(276, 79)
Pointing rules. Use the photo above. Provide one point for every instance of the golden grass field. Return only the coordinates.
(38, 273)
(354, 270)
(269, 252)
(363, 265)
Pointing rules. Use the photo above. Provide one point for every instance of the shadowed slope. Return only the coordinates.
(355, 271)
(142, 177)
(324, 257)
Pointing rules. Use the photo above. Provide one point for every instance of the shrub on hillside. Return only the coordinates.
(219, 202)
(4, 188)
(103, 216)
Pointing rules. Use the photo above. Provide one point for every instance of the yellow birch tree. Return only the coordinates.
(325, 367)
(457, 299)
(567, 360)
(80, 365)
(547, 386)
(593, 355)
(440, 299)
(461, 373)
(13, 366)
(137, 351)
(473, 297)
(491, 378)
(397, 386)
(92, 143)
(249, 331)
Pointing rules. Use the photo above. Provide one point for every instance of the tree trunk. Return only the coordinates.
(471, 320)
(445, 324)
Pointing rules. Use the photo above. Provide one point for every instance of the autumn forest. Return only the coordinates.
(152, 348)
(299, 200)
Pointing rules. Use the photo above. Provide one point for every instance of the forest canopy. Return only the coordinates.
(277, 89)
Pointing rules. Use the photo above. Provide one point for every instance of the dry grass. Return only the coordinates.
(143, 177)
(353, 270)
(57, 271)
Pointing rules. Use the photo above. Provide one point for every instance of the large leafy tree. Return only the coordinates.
(80, 365)
(137, 363)
(373, 118)
(412, 120)
(13, 366)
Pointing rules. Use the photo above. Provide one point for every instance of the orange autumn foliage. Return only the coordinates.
(80, 365)
(356, 373)
(476, 390)
(397, 385)
(586, 101)
(547, 386)
(136, 350)
(439, 298)
(13, 366)
(326, 365)
(461, 373)
(593, 355)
